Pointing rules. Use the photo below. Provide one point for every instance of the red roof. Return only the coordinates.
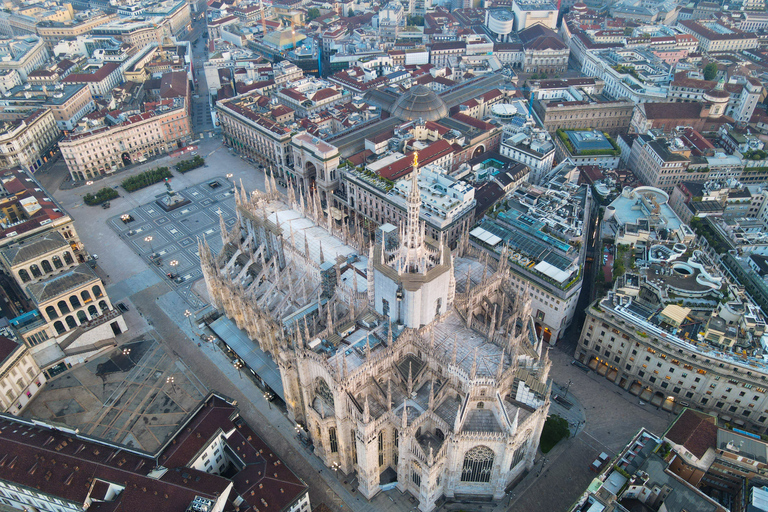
(73, 467)
(695, 431)
(323, 94)
(471, 121)
(404, 166)
(97, 76)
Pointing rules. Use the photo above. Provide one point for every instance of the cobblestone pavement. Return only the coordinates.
(612, 418)
(168, 240)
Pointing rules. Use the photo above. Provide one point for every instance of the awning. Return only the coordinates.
(247, 350)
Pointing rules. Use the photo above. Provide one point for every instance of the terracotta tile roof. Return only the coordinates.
(74, 467)
(173, 84)
(97, 76)
(695, 431)
(672, 110)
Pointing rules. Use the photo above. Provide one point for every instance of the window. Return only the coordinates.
(332, 440)
(478, 463)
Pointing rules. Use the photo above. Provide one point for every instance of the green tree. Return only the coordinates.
(415, 20)
(351, 12)
(710, 71)
(312, 13)
(555, 429)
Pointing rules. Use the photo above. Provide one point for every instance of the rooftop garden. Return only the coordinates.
(372, 178)
(626, 70)
(755, 154)
(588, 152)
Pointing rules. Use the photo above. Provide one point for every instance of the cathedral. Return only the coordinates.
(410, 365)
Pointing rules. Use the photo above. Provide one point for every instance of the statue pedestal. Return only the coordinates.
(172, 201)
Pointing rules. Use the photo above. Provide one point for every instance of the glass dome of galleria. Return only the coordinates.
(420, 102)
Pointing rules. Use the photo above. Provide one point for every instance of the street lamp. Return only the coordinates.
(229, 177)
(238, 364)
(149, 239)
(125, 217)
(126, 352)
(188, 314)
(567, 387)
(268, 397)
(89, 182)
(336, 467)
(210, 339)
(171, 381)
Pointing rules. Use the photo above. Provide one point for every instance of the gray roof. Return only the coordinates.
(681, 497)
(62, 283)
(33, 247)
(745, 446)
(481, 420)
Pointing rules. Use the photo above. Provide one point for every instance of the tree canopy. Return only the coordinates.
(312, 13)
(710, 71)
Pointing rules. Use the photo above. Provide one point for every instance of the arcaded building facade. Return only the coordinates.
(446, 398)
(106, 149)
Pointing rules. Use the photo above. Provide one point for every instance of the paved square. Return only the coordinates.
(172, 236)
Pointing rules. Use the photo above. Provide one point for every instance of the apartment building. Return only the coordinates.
(27, 210)
(20, 24)
(22, 54)
(68, 103)
(100, 81)
(598, 112)
(533, 148)
(9, 78)
(54, 31)
(542, 233)
(309, 96)
(640, 338)
(135, 32)
(635, 74)
(20, 377)
(643, 474)
(247, 127)
(447, 204)
(441, 53)
(743, 93)
(715, 37)
(51, 467)
(29, 141)
(659, 163)
(102, 150)
(175, 15)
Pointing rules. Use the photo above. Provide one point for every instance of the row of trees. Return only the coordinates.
(188, 165)
(102, 196)
(146, 178)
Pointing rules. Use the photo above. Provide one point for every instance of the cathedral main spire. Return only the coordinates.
(413, 237)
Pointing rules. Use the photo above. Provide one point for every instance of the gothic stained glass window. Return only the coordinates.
(478, 463)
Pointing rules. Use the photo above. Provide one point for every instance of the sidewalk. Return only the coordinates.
(280, 431)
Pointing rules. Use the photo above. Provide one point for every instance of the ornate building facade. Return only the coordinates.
(414, 366)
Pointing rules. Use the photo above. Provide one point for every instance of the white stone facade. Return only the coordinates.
(431, 401)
